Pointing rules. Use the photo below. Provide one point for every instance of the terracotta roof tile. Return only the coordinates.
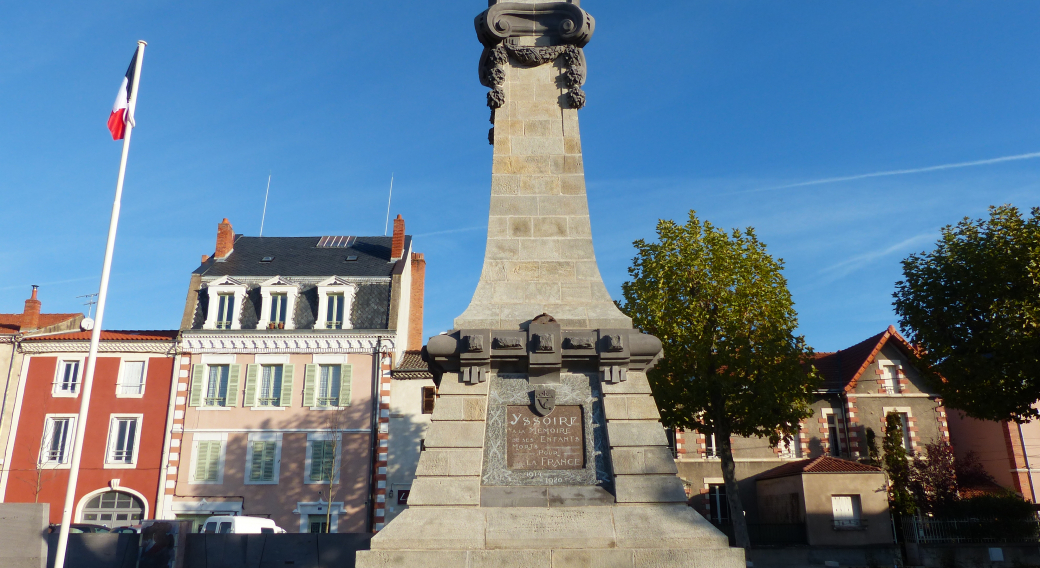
(411, 367)
(133, 335)
(822, 464)
(841, 369)
(12, 323)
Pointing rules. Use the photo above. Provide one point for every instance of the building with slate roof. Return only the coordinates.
(860, 386)
(283, 394)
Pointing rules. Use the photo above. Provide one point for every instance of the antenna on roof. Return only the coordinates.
(266, 193)
(91, 300)
(387, 224)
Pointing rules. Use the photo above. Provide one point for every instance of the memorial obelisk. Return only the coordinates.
(545, 447)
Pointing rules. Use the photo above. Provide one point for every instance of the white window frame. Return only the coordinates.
(224, 285)
(70, 437)
(318, 509)
(122, 369)
(334, 285)
(275, 437)
(320, 360)
(323, 436)
(277, 285)
(791, 449)
(909, 438)
(891, 384)
(835, 451)
(110, 446)
(206, 437)
(711, 452)
(854, 521)
(59, 374)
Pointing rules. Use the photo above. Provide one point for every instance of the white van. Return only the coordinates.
(240, 525)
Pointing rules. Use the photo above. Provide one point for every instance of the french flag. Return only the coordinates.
(117, 120)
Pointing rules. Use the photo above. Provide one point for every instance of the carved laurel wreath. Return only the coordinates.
(493, 72)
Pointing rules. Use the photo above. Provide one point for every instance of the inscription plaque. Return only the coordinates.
(556, 441)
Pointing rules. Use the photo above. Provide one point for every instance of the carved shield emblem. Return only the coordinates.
(544, 400)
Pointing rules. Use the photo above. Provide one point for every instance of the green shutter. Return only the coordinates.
(268, 471)
(287, 380)
(323, 459)
(344, 385)
(310, 378)
(232, 385)
(252, 372)
(256, 465)
(214, 461)
(316, 459)
(207, 460)
(198, 374)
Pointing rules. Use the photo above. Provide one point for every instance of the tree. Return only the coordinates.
(972, 307)
(732, 364)
(873, 453)
(971, 473)
(897, 466)
(933, 481)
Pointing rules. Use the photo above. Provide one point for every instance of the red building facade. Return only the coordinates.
(124, 448)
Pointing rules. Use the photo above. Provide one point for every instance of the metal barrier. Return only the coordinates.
(932, 530)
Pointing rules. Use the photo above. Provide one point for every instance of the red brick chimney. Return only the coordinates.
(31, 315)
(415, 314)
(397, 248)
(226, 239)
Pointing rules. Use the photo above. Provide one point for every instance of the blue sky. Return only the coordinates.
(725, 107)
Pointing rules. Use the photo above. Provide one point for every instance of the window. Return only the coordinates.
(207, 461)
(58, 433)
(67, 383)
(225, 310)
(278, 303)
(904, 423)
(217, 385)
(131, 382)
(672, 447)
(270, 386)
(328, 385)
(718, 506)
(262, 461)
(710, 448)
(890, 378)
(122, 440)
(846, 509)
(322, 460)
(318, 526)
(113, 509)
(791, 448)
(832, 435)
(429, 397)
(334, 313)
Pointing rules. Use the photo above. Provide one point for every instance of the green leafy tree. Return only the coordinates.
(897, 466)
(732, 364)
(873, 453)
(972, 306)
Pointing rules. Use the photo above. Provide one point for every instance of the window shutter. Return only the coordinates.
(310, 375)
(268, 471)
(203, 457)
(256, 465)
(249, 398)
(197, 376)
(232, 385)
(317, 457)
(285, 398)
(214, 461)
(344, 385)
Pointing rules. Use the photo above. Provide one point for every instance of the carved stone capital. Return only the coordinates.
(563, 22)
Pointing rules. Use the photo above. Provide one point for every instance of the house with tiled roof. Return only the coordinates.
(120, 480)
(861, 385)
(13, 329)
(413, 394)
(282, 403)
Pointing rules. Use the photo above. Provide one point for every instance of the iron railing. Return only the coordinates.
(934, 530)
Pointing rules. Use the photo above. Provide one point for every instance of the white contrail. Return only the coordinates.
(1028, 156)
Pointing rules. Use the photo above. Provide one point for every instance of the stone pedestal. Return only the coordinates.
(545, 447)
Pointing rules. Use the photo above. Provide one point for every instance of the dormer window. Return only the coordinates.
(225, 310)
(334, 313)
(278, 297)
(335, 296)
(225, 303)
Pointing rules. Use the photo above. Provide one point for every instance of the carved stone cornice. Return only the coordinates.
(563, 22)
(40, 347)
(287, 343)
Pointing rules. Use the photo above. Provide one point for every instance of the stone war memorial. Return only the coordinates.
(545, 447)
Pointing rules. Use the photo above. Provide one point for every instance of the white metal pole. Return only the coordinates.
(95, 334)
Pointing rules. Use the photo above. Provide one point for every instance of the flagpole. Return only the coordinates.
(95, 334)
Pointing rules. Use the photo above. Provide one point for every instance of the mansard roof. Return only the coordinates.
(304, 256)
(842, 369)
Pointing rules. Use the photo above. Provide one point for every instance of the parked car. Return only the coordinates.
(80, 528)
(135, 529)
(240, 525)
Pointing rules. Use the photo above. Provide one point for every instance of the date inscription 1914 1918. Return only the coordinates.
(556, 441)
